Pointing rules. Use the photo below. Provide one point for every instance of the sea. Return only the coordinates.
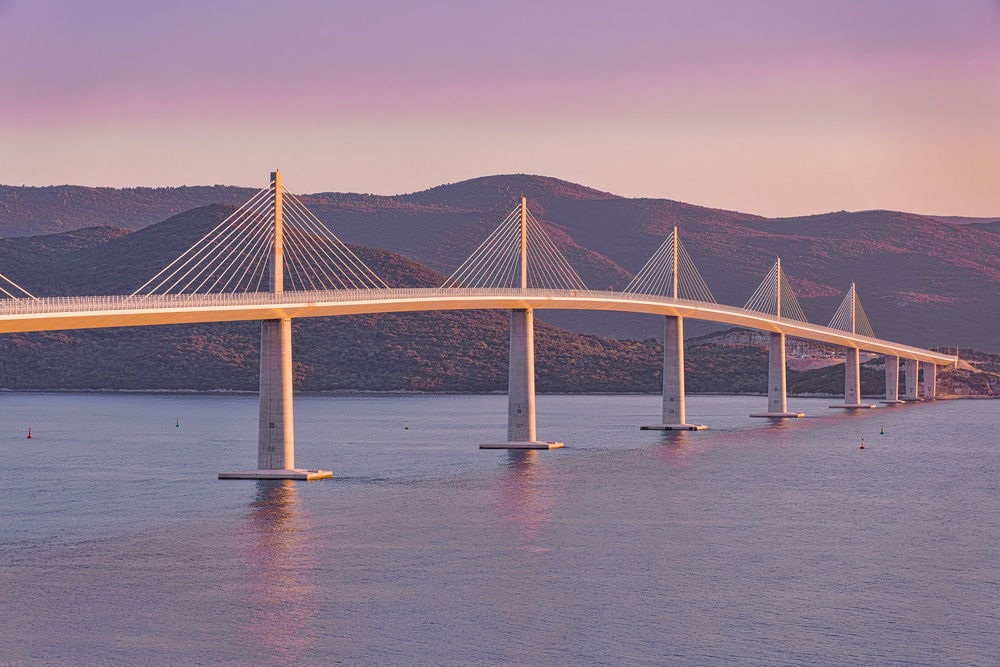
(751, 543)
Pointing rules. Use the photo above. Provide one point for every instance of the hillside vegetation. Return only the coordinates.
(924, 280)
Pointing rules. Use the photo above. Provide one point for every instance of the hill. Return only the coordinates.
(458, 351)
(923, 280)
(993, 227)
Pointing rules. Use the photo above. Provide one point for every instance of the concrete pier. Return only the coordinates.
(674, 410)
(912, 375)
(521, 387)
(852, 382)
(891, 381)
(276, 423)
(930, 382)
(777, 390)
(276, 419)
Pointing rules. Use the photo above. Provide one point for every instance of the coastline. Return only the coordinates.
(414, 392)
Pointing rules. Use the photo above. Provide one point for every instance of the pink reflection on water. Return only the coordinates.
(278, 559)
(525, 500)
(676, 450)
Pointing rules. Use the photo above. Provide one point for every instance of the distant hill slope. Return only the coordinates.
(456, 351)
(460, 351)
(963, 219)
(25, 211)
(922, 280)
(993, 227)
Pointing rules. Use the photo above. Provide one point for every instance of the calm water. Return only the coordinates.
(747, 544)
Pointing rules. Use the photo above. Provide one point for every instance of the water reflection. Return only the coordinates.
(676, 448)
(278, 557)
(525, 499)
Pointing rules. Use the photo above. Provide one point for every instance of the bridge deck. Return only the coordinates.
(62, 313)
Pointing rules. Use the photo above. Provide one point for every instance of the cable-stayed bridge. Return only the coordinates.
(272, 260)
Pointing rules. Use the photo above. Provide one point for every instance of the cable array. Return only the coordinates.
(235, 256)
(851, 316)
(774, 296)
(315, 258)
(657, 276)
(6, 283)
(497, 260)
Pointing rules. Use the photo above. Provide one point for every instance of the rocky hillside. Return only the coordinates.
(924, 280)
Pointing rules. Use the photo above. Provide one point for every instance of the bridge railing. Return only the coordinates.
(78, 304)
(63, 304)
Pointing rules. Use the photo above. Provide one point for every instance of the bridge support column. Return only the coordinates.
(276, 420)
(276, 427)
(930, 381)
(891, 380)
(912, 375)
(674, 410)
(276, 436)
(852, 382)
(777, 390)
(521, 387)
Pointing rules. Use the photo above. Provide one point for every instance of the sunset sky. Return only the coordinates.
(781, 107)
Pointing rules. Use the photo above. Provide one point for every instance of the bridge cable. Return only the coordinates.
(235, 255)
(850, 315)
(16, 286)
(775, 296)
(656, 277)
(203, 243)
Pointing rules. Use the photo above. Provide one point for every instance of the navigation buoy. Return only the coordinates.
(29, 433)
(178, 424)
(862, 444)
(882, 431)
(406, 426)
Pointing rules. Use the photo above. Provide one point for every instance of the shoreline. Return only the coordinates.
(413, 392)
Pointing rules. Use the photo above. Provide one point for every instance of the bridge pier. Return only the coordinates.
(674, 409)
(912, 375)
(852, 382)
(521, 387)
(276, 420)
(891, 381)
(930, 381)
(777, 386)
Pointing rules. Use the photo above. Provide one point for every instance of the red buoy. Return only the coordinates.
(862, 444)
(29, 433)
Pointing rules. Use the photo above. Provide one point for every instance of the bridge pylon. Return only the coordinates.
(850, 316)
(521, 433)
(930, 382)
(276, 418)
(671, 272)
(911, 372)
(891, 380)
(776, 297)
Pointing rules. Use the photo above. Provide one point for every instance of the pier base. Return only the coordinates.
(777, 384)
(895, 402)
(297, 473)
(852, 383)
(674, 412)
(912, 377)
(780, 415)
(521, 387)
(526, 444)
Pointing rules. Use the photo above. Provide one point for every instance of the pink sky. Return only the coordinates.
(781, 107)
